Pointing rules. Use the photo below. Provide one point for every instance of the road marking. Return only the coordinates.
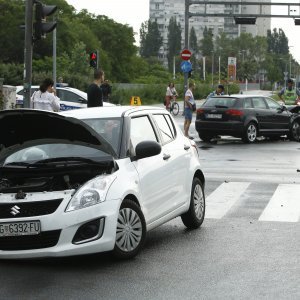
(284, 206)
(219, 202)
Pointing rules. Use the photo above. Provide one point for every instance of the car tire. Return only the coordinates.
(295, 131)
(130, 232)
(205, 138)
(250, 133)
(175, 109)
(194, 217)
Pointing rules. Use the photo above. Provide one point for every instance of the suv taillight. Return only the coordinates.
(234, 112)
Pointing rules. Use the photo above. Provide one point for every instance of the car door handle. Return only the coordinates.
(186, 147)
(166, 156)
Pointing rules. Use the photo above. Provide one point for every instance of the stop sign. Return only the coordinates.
(186, 54)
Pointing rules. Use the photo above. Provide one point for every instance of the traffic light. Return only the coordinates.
(41, 27)
(94, 59)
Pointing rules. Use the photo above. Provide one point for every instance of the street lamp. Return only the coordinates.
(212, 68)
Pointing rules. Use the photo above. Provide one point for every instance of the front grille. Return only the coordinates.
(45, 239)
(29, 209)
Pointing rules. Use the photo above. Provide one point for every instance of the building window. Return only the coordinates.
(156, 5)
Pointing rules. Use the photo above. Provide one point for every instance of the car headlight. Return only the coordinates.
(93, 192)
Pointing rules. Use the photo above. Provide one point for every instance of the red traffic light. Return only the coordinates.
(93, 59)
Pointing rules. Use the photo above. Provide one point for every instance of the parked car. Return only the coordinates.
(93, 180)
(246, 117)
(70, 98)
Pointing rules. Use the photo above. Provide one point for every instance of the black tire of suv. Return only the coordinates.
(248, 139)
(294, 134)
(205, 138)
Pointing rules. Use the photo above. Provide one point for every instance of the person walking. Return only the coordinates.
(188, 110)
(45, 97)
(94, 92)
(219, 91)
(289, 95)
(106, 90)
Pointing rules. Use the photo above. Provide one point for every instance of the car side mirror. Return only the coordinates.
(282, 108)
(147, 149)
(81, 100)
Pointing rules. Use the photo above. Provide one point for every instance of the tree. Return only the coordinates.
(174, 41)
(150, 39)
(207, 44)
(277, 41)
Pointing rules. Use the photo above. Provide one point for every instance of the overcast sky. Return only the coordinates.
(135, 12)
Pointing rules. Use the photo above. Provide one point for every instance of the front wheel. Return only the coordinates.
(175, 108)
(194, 217)
(131, 230)
(295, 132)
(250, 133)
(205, 138)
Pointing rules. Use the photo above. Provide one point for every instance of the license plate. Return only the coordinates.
(214, 116)
(20, 228)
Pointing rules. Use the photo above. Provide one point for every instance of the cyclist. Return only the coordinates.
(171, 94)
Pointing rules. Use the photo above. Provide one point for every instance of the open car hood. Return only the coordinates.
(25, 128)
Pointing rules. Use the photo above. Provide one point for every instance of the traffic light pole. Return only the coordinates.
(28, 52)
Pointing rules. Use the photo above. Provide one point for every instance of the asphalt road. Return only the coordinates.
(242, 250)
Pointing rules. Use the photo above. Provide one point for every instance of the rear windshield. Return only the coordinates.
(220, 102)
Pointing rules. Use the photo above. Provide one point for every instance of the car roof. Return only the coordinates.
(110, 112)
(239, 96)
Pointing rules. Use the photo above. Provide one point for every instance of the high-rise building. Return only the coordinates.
(162, 10)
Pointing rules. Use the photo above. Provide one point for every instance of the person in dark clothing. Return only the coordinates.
(106, 90)
(94, 92)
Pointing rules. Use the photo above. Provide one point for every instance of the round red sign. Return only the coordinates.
(186, 54)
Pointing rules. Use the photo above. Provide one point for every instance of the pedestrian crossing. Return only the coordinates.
(273, 203)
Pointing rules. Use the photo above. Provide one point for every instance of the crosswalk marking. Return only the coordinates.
(219, 202)
(284, 206)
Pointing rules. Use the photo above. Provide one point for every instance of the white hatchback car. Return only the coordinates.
(70, 98)
(93, 180)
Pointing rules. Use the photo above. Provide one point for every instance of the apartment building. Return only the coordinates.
(162, 10)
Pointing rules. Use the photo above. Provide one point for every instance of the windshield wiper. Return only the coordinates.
(67, 160)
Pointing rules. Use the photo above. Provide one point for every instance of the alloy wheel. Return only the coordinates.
(296, 131)
(199, 201)
(251, 133)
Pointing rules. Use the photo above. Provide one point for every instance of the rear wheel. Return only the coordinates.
(131, 230)
(194, 217)
(295, 132)
(175, 108)
(250, 133)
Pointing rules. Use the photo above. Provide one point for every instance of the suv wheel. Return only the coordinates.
(250, 133)
(205, 138)
(295, 132)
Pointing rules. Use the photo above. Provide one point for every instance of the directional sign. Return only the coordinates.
(186, 66)
(185, 54)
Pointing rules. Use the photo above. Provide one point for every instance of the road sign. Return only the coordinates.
(186, 66)
(285, 73)
(135, 100)
(185, 54)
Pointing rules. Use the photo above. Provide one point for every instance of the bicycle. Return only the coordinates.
(174, 106)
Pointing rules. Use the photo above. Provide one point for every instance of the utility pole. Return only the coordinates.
(186, 39)
(28, 52)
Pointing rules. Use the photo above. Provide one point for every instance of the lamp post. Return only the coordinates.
(212, 68)
(219, 69)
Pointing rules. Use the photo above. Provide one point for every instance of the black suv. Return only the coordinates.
(246, 117)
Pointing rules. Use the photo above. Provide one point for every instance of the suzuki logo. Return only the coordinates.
(15, 210)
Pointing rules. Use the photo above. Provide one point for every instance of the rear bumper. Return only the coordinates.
(233, 128)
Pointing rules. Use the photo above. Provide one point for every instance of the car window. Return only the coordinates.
(219, 101)
(248, 103)
(272, 104)
(69, 96)
(259, 102)
(164, 128)
(109, 128)
(171, 125)
(141, 129)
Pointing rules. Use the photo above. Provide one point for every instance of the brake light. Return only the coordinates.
(234, 112)
(200, 111)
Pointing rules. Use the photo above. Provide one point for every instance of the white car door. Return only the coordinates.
(70, 100)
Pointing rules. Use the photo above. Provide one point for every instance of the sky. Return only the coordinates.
(135, 12)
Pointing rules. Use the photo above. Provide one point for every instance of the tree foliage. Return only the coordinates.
(150, 39)
(174, 41)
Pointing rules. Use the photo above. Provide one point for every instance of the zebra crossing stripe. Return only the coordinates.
(284, 206)
(219, 202)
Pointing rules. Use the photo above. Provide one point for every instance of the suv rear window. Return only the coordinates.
(220, 101)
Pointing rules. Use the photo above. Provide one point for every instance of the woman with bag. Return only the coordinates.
(45, 98)
(190, 106)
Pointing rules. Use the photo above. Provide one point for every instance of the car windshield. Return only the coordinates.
(108, 128)
(220, 102)
(52, 151)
